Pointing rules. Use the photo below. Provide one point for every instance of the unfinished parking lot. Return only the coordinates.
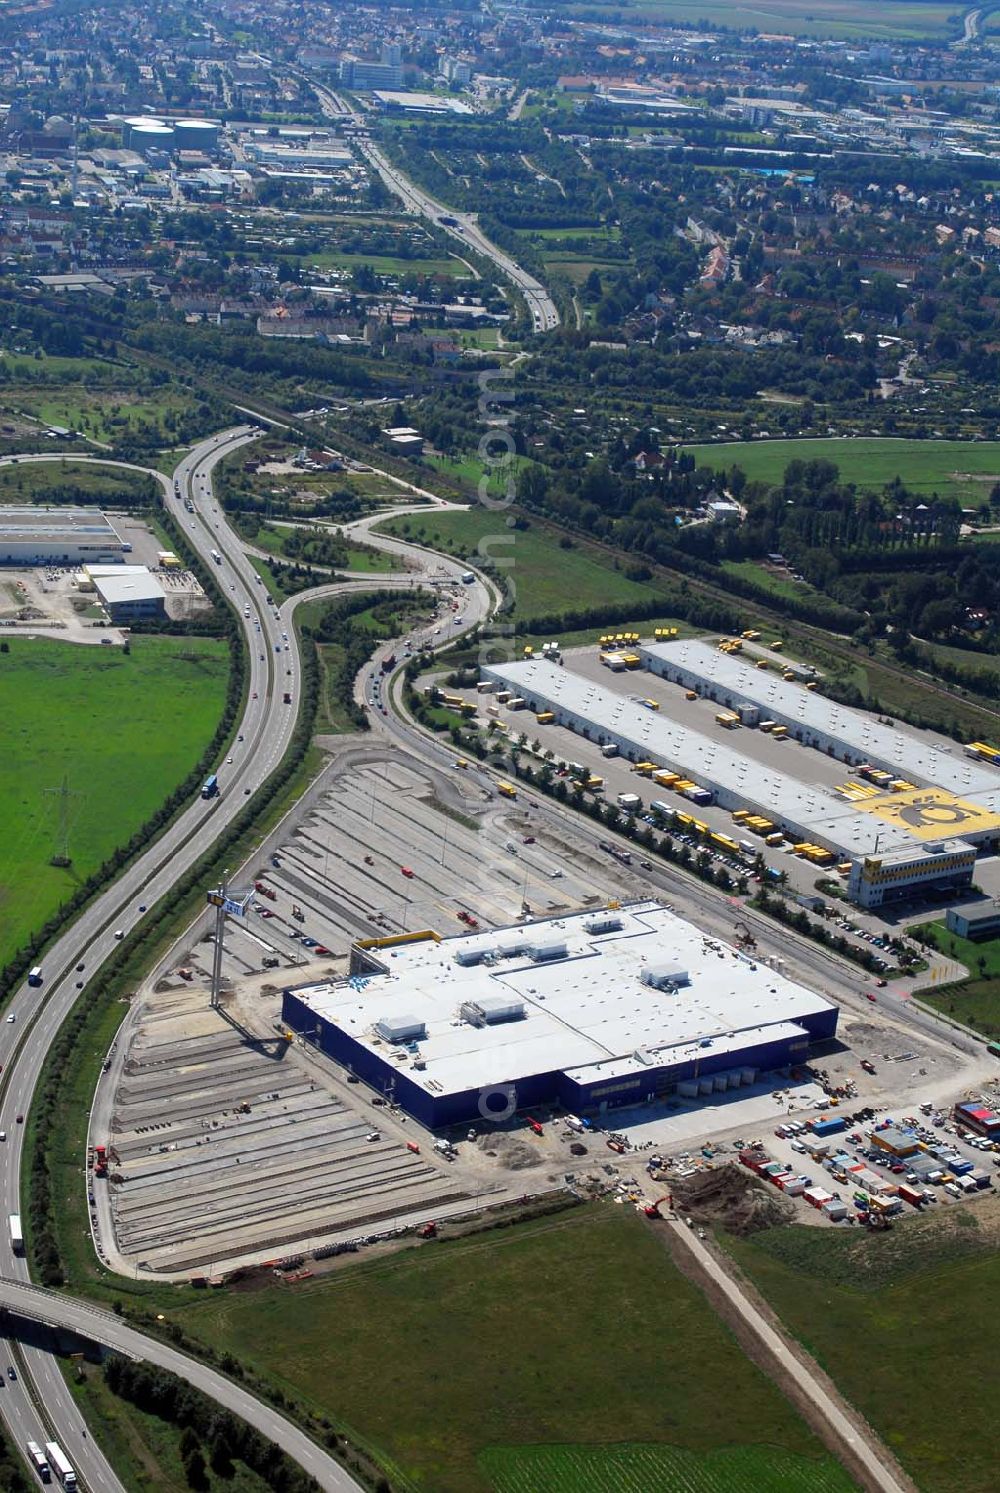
(225, 1147)
(229, 1142)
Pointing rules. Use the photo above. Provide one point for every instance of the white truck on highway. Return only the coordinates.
(16, 1237)
(60, 1465)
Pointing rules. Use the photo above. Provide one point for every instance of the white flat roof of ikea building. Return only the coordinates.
(813, 809)
(587, 1006)
(898, 749)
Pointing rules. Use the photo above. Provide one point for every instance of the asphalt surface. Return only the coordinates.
(103, 1327)
(461, 226)
(267, 726)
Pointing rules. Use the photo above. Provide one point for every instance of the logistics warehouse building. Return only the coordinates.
(59, 536)
(593, 1010)
(849, 735)
(889, 854)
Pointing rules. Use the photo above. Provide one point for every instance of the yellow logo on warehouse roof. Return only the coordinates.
(931, 813)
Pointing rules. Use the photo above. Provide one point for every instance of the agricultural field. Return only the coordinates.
(895, 20)
(659, 1469)
(965, 470)
(896, 1319)
(544, 577)
(500, 1358)
(120, 729)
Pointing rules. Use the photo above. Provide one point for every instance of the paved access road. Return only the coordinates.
(462, 226)
(853, 1437)
(59, 1310)
(267, 726)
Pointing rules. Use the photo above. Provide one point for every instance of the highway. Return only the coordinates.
(461, 226)
(58, 1310)
(266, 727)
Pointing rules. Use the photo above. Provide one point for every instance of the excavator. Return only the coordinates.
(652, 1210)
(744, 937)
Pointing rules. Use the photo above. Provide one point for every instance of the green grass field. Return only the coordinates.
(31, 481)
(900, 1320)
(778, 585)
(356, 558)
(659, 1469)
(897, 19)
(104, 415)
(545, 578)
(122, 730)
(961, 469)
(391, 264)
(975, 1001)
(570, 1331)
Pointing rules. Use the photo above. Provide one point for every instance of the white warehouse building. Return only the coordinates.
(889, 854)
(58, 536)
(850, 735)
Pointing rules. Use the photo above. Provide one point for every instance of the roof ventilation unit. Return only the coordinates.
(604, 922)
(665, 976)
(491, 1010)
(546, 950)
(401, 1028)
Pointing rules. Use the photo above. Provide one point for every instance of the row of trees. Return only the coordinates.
(212, 1437)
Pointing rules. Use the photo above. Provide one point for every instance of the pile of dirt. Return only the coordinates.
(511, 1152)
(733, 1197)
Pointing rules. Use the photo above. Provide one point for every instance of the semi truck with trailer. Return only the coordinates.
(61, 1466)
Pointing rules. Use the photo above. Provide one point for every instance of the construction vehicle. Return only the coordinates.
(744, 937)
(535, 1125)
(427, 1231)
(652, 1210)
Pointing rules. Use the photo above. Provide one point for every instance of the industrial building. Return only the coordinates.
(977, 921)
(592, 1011)
(127, 591)
(851, 736)
(890, 856)
(58, 536)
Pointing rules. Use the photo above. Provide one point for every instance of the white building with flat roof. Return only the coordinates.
(58, 536)
(591, 1010)
(930, 834)
(853, 736)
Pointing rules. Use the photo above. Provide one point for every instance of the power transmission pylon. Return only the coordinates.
(62, 856)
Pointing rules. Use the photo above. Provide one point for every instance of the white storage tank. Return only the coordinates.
(720, 1083)
(688, 1088)
(748, 1076)
(706, 1086)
